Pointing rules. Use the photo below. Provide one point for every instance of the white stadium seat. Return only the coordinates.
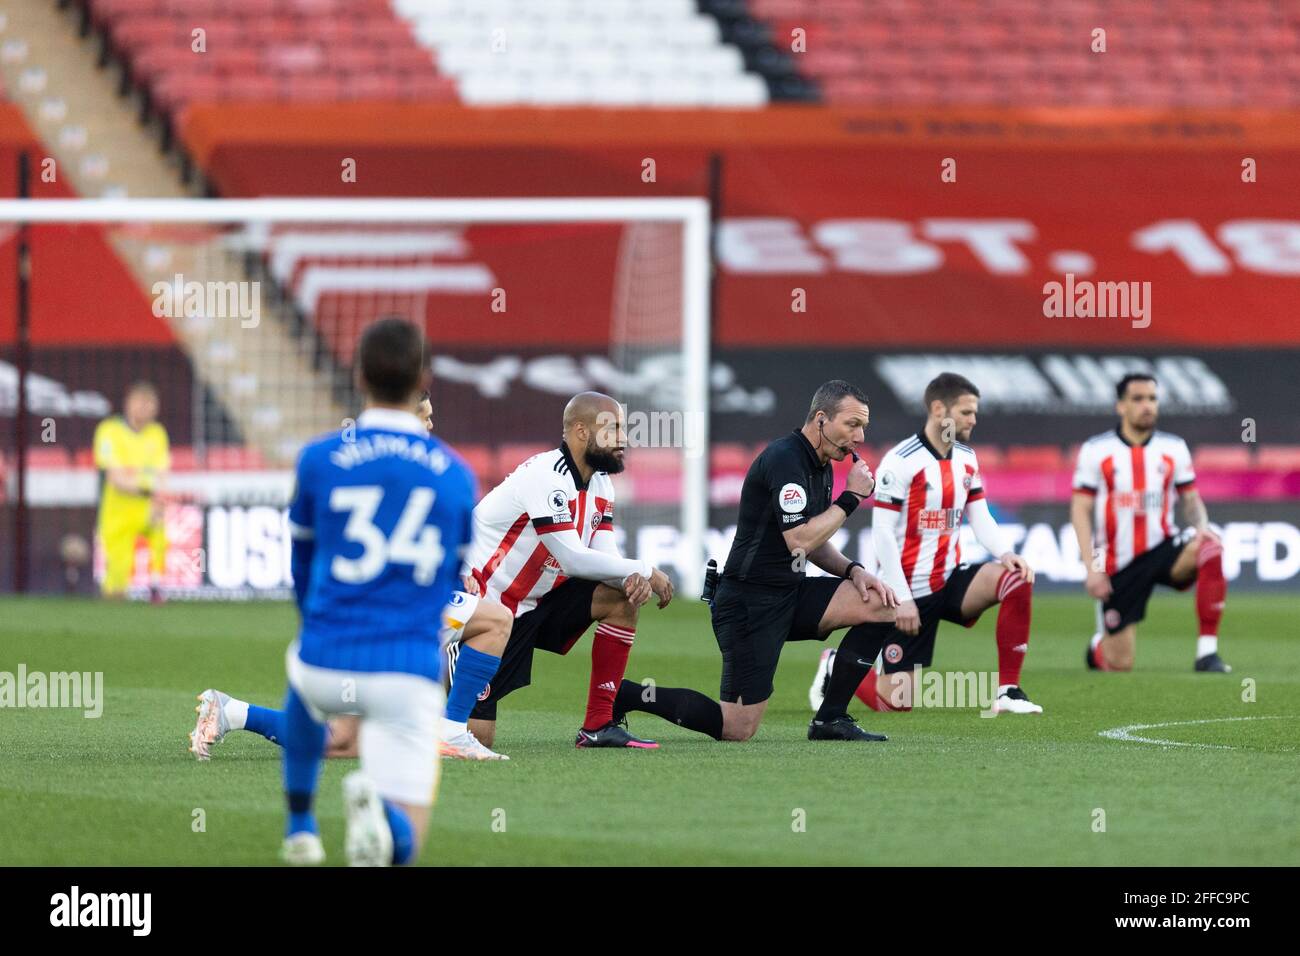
(583, 52)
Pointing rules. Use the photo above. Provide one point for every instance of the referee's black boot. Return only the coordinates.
(842, 727)
(612, 735)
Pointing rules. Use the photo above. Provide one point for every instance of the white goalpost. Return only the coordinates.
(661, 284)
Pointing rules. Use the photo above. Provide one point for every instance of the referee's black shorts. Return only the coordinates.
(560, 618)
(752, 622)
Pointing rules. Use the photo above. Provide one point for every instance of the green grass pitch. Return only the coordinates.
(948, 788)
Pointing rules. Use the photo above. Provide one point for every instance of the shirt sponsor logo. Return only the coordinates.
(939, 519)
(1138, 500)
(793, 498)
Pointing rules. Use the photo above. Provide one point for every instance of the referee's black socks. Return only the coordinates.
(679, 705)
(857, 653)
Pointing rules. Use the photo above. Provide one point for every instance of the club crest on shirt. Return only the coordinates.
(793, 498)
(595, 521)
(966, 482)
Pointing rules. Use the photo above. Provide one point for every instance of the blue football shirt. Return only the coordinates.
(388, 512)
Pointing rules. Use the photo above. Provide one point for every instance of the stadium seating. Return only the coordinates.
(1226, 457)
(266, 50)
(584, 52)
(720, 53)
(1284, 458)
(978, 52)
(568, 52)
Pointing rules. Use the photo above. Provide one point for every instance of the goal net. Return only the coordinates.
(244, 315)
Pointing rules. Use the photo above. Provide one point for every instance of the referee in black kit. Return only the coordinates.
(764, 597)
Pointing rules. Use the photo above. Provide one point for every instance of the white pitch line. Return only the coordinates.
(1126, 733)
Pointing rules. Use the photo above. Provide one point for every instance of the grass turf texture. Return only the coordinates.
(948, 788)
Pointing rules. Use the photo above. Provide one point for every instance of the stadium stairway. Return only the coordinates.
(267, 379)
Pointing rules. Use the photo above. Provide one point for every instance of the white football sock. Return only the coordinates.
(1096, 639)
(1206, 644)
(450, 728)
(236, 713)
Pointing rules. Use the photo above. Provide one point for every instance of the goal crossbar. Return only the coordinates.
(691, 212)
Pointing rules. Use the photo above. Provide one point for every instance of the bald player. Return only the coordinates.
(543, 548)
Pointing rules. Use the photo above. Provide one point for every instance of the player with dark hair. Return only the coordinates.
(1122, 512)
(378, 521)
(927, 484)
(764, 597)
(481, 629)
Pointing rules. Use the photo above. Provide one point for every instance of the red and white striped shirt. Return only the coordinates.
(544, 501)
(931, 494)
(1134, 489)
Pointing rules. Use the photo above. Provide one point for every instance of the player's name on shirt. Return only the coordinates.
(367, 448)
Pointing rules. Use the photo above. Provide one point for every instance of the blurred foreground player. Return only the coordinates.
(480, 629)
(132, 457)
(543, 558)
(1122, 512)
(927, 484)
(765, 598)
(379, 520)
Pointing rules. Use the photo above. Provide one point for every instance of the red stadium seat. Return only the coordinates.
(323, 50)
(1221, 457)
(183, 458)
(1278, 457)
(730, 457)
(48, 456)
(232, 458)
(1034, 458)
(511, 456)
(483, 463)
(1190, 53)
(990, 456)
